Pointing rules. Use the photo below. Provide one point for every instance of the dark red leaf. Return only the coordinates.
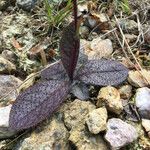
(102, 72)
(69, 49)
(36, 103)
(55, 71)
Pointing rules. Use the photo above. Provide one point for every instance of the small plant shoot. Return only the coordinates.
(42, 99)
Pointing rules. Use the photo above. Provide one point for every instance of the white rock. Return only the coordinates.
(96, 120)
(142, 99)
(5, 132)
(139, 79)
(146, 124)
(119, 133)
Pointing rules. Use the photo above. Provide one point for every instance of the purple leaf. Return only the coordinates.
(69, 49)
(80, 90)
(55, 71)
(102, 72)
(36, 103)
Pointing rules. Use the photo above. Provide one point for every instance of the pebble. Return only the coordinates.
(9, 83)
(125, 91)
(100, 48)
(139, 79)
(142, 101)
(26, 5)
(110, 97)
(9, 55)
(5, 132)
(96, 120)
(146, 124)
(6, 66)
(120, 133)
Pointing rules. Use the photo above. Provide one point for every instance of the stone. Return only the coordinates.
(97, 48)
(26, 5)
(96, 120)
(139, 79)
(147, 36)
(84, 32)
(125, 91)
(128, 26)
(120, 133)
(146, 124)
(6, 66)
(84, 140)
(8, 86)
(51, 134)
(110, 97)
(9, 55)
(100, 48)
(130, 37)
(75, 113)
(5, 131)
(142, 101)
(3, 4)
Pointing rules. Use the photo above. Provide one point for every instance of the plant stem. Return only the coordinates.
(75, 13)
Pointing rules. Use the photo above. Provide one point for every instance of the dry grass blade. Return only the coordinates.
(129, 49)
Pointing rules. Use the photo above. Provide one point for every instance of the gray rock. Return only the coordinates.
(6, 66)
(110, 97)
(75, 113)
(49, 135)
(128, 26)
(142, 99)
(96, 120)
(119, 133)
(8, 85)
(5, 132)
(9, 55)
(26, 5)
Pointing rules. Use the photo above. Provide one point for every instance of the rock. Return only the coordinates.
(142, 100)
(125, 91)
(100, 48)
(130, 37)
(5, 132)
(9, 83)
(84, 32)
(146, 124)
(6, 66)
(139, 79)
(119, 133)
(97, 48)
(26, 5)
(3, 4)
(110, 96)
(128, 26)
(96, 120)
(49, 135)
(147, 36)
(84, 140)
(75, 113)
(9, 55)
